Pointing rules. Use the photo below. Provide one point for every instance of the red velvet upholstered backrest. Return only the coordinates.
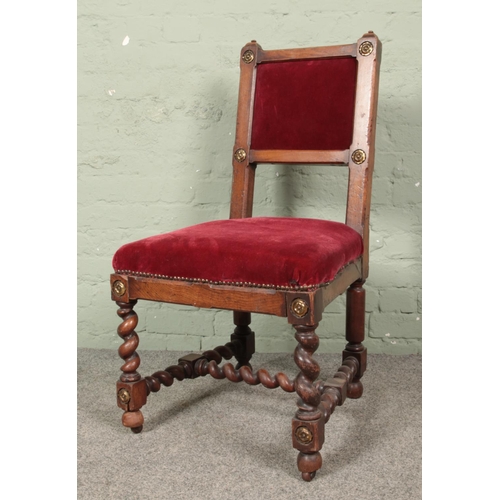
(304, 104)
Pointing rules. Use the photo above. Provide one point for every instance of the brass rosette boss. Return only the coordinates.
(240, 155)
(119, 288)
(299, 308)
(124, 396)
(248, 56)
(358, 156)
(303, 434)
(366, 48)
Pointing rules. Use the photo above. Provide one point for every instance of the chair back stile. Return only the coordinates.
(243, 170)
(362, 152)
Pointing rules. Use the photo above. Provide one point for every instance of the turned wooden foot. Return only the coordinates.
(308, 464)
(355, 389)
(134, 420)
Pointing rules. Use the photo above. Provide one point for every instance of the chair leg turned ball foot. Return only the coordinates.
(308, 464)
(134, 420)
(355, 389)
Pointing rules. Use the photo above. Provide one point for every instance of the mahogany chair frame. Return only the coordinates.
(302, 308)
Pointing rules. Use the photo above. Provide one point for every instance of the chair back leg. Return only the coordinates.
(355, 335)
(244, 337)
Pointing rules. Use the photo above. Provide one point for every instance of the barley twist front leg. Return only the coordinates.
(309, 423)
(131, 387)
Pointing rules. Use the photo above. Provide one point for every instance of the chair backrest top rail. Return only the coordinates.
(306, 53)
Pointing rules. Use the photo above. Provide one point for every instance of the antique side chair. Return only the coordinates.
(306, 106)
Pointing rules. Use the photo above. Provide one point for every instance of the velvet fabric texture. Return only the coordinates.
(275, 251)
(289, 115)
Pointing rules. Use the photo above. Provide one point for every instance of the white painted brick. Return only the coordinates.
(187, 322)
(183, 343)
(400, 273)
(398, 300)
(393, 326)
(181, 28)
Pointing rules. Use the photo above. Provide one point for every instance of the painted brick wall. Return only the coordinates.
(156, 121)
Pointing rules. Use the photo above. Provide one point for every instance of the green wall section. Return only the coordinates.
(156, 122)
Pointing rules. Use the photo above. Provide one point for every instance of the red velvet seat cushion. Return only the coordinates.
(273, 251)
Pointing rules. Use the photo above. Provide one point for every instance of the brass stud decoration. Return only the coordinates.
(299, 308)
(358, 156)
(119, 288)
(303, 434)
(240, 155)
(247, 56)
(366, 48)
(124, 396)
